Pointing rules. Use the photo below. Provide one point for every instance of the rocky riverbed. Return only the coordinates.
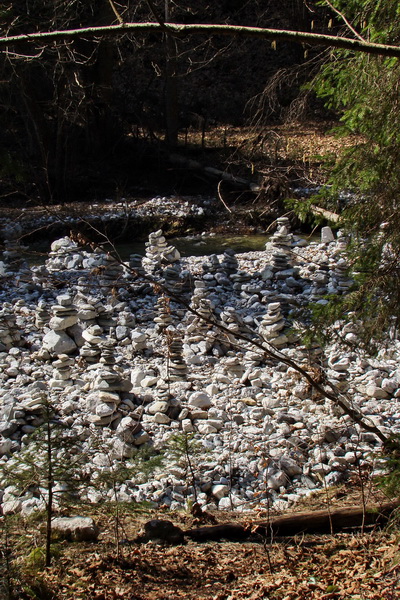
(131, 356)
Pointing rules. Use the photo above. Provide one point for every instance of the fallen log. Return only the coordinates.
(211, 172)
(327, 214)
(320, 521)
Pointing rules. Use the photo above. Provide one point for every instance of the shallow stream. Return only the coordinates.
(202, 245)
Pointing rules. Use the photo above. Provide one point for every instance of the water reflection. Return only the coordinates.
(200, 245)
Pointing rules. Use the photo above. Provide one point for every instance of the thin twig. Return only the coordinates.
(116, 13)
(349, 25)
(221, 198)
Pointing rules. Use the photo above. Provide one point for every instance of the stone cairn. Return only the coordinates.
(88, 309)
(135, 263)
(272, 326)
(62, 370)
(320, 280)
(163, 316)
(222, 274)
(13, 249)
(111, 274)
(162, 260)
(172, 277)
(212, 265)
(229, 262)
(340, 282)
(140, 287)
(230, 319)
(104, 397)
(94, 339)
(42, 315)
(64, 315)
(126, 322)
(281, 244)
(64, 255)
(199, 334)
(177, 369)
(158, 252)
(9, 333)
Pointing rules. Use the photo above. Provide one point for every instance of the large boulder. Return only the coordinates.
(75, 529)
(162, 531)
(58, 342)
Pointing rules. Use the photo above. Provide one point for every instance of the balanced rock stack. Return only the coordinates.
(13, 255)
(42, 315)
(13, 249)
(9, 332)
(198, 333)
(163, 318)
(339, 371)
(340, 282)
(282, 239)
(172, 277)
(107, 353)
(281, 245)
(62, 369)
(280, 261)
(272, 325)
(65, 315)
(126, 322)
(64, 255)
(136, 267)
(212, 265)
(158, 252)
(88, 308)
(104, 397)
(94, 339)
(231, 320)
(177, 366)
(111, 274)
(229, 262)
(320, 280)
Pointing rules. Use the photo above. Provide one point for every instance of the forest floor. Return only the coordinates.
(350, 565)
(295, 154)
(280, 159)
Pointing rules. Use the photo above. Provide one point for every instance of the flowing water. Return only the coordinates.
(200, 245)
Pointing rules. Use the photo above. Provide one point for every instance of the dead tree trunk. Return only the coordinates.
(320, 521)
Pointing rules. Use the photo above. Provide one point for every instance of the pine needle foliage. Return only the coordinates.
(365, 90)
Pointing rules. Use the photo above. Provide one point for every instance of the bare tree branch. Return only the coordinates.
(115, 11)
(313, 39)
(349, 25)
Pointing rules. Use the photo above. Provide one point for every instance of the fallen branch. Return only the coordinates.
(320, 521)
(213, 173)
(313, 39)
(327, 214)
(221, 198)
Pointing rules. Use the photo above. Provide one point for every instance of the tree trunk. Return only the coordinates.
(320, 521)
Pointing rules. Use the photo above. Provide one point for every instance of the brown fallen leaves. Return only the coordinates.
(345, 566)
